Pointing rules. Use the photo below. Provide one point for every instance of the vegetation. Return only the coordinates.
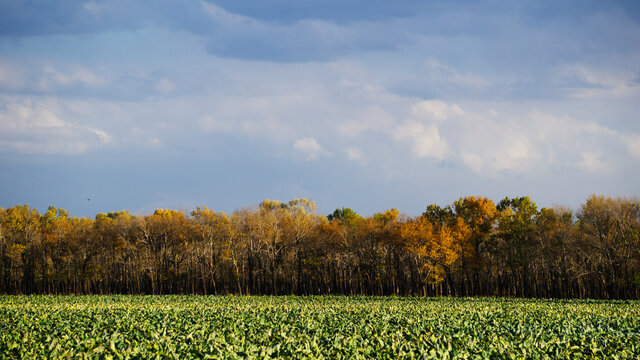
(472, 247)
(228, 327)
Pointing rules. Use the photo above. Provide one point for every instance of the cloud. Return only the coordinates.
(473, 161)
(72, 79)
(496, 143)
(154, 142)
(490, 144)
(436, 109)
(310, 147)
(289, 11)
(632, 141)
(224, 33)
(34, 127)
(425, 140)
(354, 153)
(440, 75)
(11, 76)
(51, 78)
(41, 77)
(211, 125)
(432, 78)
(32, 17)
(371, 118)
(511, 36)
(592, 162)
(584, 81)
(165, 86)
(236, 36)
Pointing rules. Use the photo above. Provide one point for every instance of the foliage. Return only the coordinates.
(471, 247)
(192, 327)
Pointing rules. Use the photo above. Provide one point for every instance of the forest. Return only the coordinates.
(473, 247)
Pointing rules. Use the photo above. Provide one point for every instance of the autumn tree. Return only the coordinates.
(471, 247)
(559, 257)
(610, 228)
(300, 222)
(164, 236)
(479, 215)
(215, 236)
(22, 238)
(514, 240)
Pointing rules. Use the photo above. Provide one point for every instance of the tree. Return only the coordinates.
(344, 216)
(479, 214)
(611, 228)
(214, 237)
(515, 240)
(437, 246)
(21, 226)
(164, 236)
(55, 227)
(560, 259)
(471, 247)
(300, 222)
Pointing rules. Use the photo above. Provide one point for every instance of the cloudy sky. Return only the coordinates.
(368, 104)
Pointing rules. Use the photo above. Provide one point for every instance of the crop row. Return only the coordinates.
(195, 327)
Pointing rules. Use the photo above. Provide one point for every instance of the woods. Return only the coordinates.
(472, 247)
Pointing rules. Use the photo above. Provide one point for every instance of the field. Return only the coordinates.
(195, 327)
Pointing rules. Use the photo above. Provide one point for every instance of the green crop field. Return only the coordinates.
(196, 327)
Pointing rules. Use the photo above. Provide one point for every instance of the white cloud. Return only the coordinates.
(515, 152)
(36, 127)
(491, 142)
(425, 140)
(212, 125)
(489, 146)
(583, 81)
(52, 78)
(443, 75)
(592, 162)
(370, 118)
(165, 86)
(154, 142)
(104, 137)
(37, 76)
(632, 141)
(310, 147)
(472, 161)
(336, 102)
(49, 147)
(436, 109)
(26, 116)
(354, 153)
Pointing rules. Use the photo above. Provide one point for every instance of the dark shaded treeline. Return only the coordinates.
(470, 248)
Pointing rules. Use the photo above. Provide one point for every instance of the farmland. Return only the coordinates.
(315, 327)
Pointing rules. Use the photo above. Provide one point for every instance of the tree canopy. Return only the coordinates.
(471, 247)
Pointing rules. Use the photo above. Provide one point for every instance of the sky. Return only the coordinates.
(139, 105)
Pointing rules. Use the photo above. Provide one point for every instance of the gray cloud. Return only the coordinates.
(307, 40)
(33, 17)
(337, 11)
(291, 31)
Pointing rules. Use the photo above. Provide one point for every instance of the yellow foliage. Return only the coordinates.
(440, 246)
(16, 249)
(387, 216)
(434, 273)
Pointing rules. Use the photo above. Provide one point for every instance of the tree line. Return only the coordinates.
(472, 247)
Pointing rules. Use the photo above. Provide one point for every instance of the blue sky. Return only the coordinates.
(367, 104)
